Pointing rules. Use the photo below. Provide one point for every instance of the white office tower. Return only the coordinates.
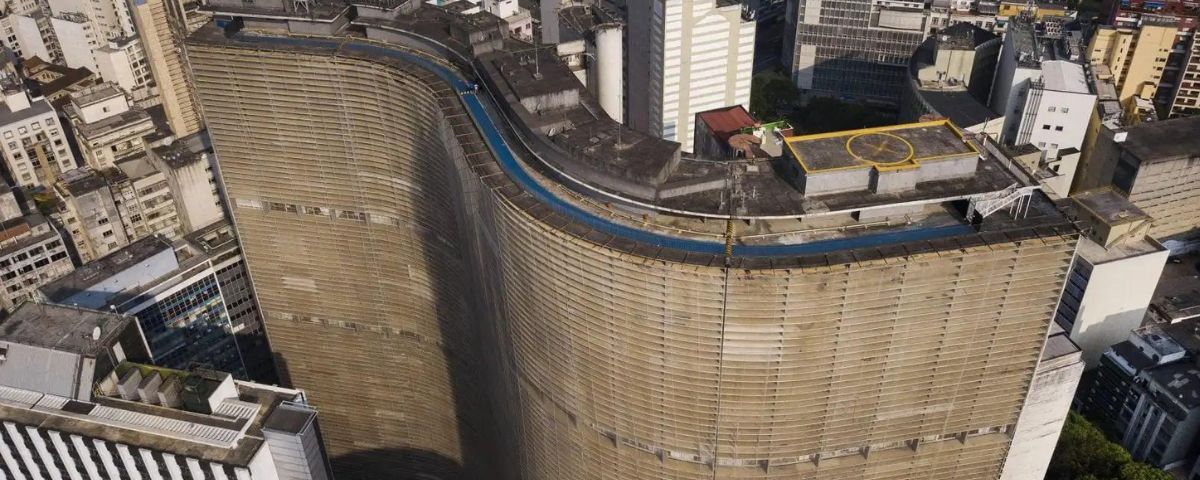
(687, 56)
(74, 405)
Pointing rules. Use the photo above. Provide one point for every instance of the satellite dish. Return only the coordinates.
(96, 333)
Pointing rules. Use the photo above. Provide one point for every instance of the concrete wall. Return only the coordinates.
(1115, 300)
(1042, 418)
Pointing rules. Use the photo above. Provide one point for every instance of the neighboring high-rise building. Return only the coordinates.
(853, 49)
(107, 129)
(1132, 15)
(1135, 56)
(73, 404)
(684, 58)
(144, 199)
(107, 19)
(161, 25)
(173, 291)
(73, 39)
(875, 307)
(219, 242)
(1155, 165)
(1114, 273)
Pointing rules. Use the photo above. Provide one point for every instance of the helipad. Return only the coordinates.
(873, 158)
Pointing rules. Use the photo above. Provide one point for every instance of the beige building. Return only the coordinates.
(32, 140)
(1155, 165)
(417, 278)
(161, 24)
(144, 200)
(1187, 93)
(107, 128)
(32, 252)
(187, 164)
(1136, 57)
(89, 214)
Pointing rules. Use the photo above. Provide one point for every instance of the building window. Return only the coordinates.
(1065, 110)
(1051, 109)
(1045, 127)
(1058, 128)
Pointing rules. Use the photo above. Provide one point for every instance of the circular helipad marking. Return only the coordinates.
(879, 148)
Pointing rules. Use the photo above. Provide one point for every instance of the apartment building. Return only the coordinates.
(33, 142)
(92, 411)
(1187, 92)
(106, 127)
(712, 321)
(692, 57)
(187, 163)
(32, 252)
(1147, 391)
(144, 199)
(1136, 57)
(89, 214)
(123, 61)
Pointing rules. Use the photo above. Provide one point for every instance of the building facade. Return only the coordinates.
(855, 50)
(90, 214)
(32, 252)
(692, 57)
(619, 349)
(34, 143)
(162, 24)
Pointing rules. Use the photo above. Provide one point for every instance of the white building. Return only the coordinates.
(108, 18)
(144, 200)
(74, 40)
(1114, 275)
(92, 412)
(690, 57)
(31, 139)
(123, 62)
(23, 36)
(1056, 110)
(187, 164)
(107, 128)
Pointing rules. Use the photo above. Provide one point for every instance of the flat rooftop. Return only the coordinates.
(897, 146)
(1110, 207)
(62, 328)
(88, 275)
(1164, 140)
(1064, 76)
(231, 434)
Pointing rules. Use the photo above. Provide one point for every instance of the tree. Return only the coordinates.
(1083, 452)
(772, 95)
(1141, 471)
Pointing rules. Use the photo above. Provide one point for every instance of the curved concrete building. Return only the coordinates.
(476, 274)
